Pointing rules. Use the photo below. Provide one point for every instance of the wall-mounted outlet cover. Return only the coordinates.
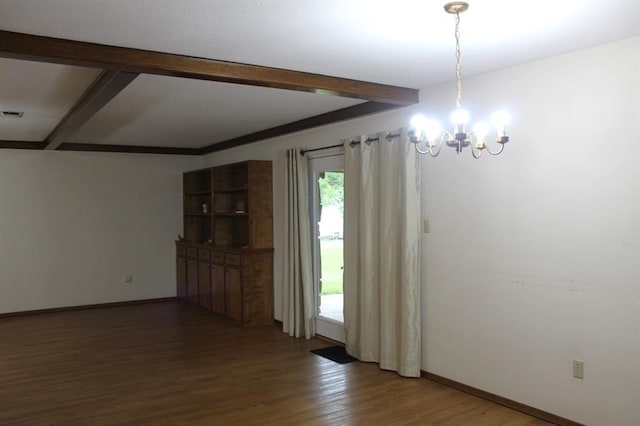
(578, 369)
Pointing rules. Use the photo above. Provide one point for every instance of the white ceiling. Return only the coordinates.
(44, 92)
(403, 42)
(167, 111)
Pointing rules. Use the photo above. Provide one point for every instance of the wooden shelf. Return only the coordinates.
(231, 214)
(211, 197)
(241, 189)
(197, 205)
(197, 193)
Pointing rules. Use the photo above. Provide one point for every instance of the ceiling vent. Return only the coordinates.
(12, 114)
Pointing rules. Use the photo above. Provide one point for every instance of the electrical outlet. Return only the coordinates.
(578, 369)
(425, 226)
(128, 278)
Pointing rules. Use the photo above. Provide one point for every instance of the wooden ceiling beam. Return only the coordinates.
(129, 149)
(7, 144)
(304, 124)
(108, 84)
(69, 52)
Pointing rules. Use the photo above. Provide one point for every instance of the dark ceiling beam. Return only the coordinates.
(47, 49)
(304, 124)
(5, 144)
(130, 149)
(108, 84)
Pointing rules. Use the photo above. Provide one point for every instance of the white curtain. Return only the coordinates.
(382, 253)
(298, 303)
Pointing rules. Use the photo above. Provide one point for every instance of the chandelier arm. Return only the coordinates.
(476, 154)
(444, 136)
(437, 151)
(432, 153)
(417, 147)
(495, 152)
(429, 149)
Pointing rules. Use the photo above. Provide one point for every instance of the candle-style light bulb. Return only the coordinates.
(432, 129)
(481, 130)
(501, 120)
(418, 125)
(459, 119)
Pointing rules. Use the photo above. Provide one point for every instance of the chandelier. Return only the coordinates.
(428, 136)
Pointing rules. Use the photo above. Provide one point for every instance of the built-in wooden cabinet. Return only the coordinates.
(204, 278)
(181, 272)
(228, 241)
(192, 274)
(218, 303)
(233, 293)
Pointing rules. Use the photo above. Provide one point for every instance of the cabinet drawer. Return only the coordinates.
(217, 256)
(232, 258)
(203, 254)
(192, 252)
(181, 251)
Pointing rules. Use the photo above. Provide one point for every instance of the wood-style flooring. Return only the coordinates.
(169, 363)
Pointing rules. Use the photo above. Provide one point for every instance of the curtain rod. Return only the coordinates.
(304, 151)
(353, 143)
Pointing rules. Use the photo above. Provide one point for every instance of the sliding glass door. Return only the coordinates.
(326, 196)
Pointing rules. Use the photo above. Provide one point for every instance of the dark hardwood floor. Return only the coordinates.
(168, 363)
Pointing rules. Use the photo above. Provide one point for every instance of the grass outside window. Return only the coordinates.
(332, 261)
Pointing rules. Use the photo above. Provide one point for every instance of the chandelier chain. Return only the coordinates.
(458, 66)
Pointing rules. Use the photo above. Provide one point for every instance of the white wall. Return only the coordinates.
(533, 257)
(71, 224)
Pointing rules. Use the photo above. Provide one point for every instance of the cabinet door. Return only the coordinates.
(181, 270)
(204, 285)
(217, 289)
(192, 281)
(233, 293)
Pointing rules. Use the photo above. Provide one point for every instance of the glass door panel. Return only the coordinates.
(327, 208)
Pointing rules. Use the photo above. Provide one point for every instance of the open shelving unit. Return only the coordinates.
(197, 203)
(225, 261)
